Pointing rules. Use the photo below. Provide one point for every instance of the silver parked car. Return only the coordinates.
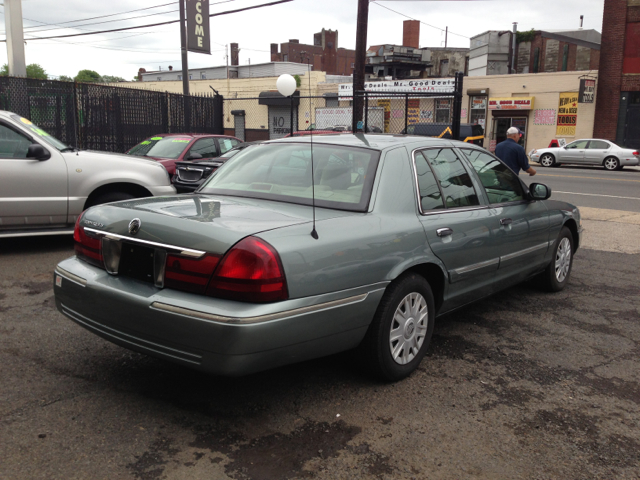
(45, 185)
(246, 274)
(591, 151)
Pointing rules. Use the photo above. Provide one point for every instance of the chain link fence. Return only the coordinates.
(101, 117)
(271, 116)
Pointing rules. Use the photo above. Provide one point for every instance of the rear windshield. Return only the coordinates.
(343, 176)
(167, 147)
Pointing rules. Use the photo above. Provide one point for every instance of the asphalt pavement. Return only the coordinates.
(525, 384)
(591, 186)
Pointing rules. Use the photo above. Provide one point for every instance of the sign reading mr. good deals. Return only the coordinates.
(511, 103)
(439, 85)
(198, 38)
(587, 90)
(567, 114)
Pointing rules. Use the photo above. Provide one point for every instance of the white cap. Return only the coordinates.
(513, 131)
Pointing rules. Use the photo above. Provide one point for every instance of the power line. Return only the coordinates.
(411, 18)
(160, 23)
(58, 26)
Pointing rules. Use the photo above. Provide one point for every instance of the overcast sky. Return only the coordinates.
(122, 53)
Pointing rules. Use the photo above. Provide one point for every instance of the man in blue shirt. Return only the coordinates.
(512, 154)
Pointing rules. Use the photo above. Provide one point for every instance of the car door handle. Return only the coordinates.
(444, 232)
(505, 221)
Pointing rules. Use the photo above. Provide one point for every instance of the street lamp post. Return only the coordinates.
(286, 85)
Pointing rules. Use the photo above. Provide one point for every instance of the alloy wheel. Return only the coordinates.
(563, 259)
(408, 328)
(611, 164)
(546, 160)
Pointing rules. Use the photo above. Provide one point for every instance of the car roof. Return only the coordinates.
(193, 135)
(376, 141)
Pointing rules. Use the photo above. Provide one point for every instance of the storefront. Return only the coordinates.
(545, 106)
(507, 113)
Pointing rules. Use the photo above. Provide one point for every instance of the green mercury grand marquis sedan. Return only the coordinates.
(246, 275)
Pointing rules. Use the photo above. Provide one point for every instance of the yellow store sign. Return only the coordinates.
(567, 114)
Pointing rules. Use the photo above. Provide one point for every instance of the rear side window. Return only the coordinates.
(498, 180)
(226, 144)
(598, 145)
(430, 195)
(454, 180)
(205, 147)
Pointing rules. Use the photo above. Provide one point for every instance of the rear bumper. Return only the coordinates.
(630, 162)
(218, 336)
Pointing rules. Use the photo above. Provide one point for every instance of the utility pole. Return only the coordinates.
(185, 67)
(15, 38)
(446, 35)
(361, 53)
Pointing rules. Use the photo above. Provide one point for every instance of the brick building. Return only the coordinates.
(618, 106)
(323, 56)
(562, 51)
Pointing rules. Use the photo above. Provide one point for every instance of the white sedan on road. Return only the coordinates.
(587, 152)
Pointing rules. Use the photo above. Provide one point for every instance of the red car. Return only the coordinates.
(169, 148)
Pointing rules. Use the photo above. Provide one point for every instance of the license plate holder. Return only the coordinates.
(137, 262)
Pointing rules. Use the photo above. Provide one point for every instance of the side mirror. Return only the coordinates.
(194, 156)
(538, 191)
(38, 152)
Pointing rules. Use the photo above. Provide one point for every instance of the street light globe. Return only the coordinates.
(286, 84)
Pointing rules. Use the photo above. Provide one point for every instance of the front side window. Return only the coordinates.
(12, 143)
(454, 180)
(343, 176)
(205, 147)
(500, 183)
(578, 144)
(40, 133)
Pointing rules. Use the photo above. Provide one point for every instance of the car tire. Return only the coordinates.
(556, 276)
(611, 164)
(547, 160)
(394, 357)
(111, 197)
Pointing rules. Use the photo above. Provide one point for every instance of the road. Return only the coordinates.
(591, 186)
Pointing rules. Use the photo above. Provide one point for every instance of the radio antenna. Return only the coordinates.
(314, 233)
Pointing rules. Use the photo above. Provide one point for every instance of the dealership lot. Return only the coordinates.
(522, 385)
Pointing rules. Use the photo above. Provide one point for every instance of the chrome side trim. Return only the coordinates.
(33, 233)
(476, 266)
(71, 277)
(526, 251)
(258, 319)
(114, 236)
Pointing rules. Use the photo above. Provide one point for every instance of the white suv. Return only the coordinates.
(45, 184)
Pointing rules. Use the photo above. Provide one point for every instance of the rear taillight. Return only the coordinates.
(636, 153)
(87, 248)
(251, 272)
(189, 274)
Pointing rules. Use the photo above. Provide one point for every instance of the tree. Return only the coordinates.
(88, 76)
(298, 80)
(33, 71)
(65, 78)
(112, 79)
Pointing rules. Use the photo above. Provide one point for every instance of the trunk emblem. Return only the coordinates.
(134, 226)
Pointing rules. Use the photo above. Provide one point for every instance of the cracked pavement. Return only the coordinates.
(524, 384)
